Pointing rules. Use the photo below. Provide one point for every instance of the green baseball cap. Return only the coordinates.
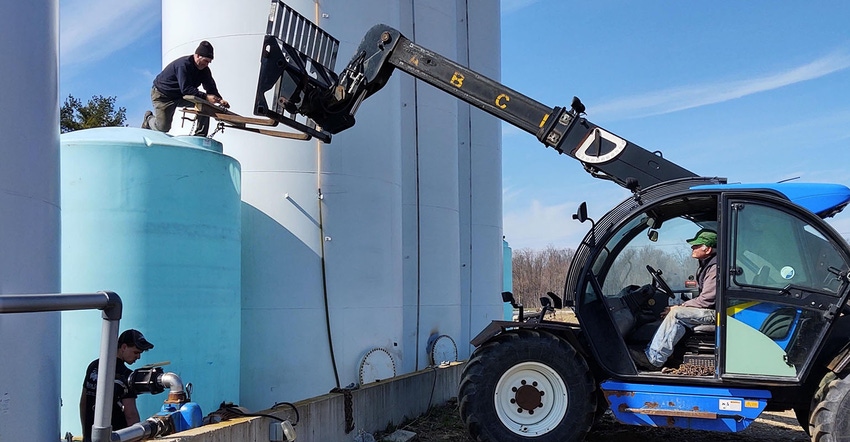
(704, 237)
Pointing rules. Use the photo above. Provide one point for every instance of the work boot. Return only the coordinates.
(145, 124)
(642, 362)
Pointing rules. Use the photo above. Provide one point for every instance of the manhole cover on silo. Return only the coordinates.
(377, 365)
(443, 349)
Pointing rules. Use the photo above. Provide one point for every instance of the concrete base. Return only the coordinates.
(400, 436)
(374, 407)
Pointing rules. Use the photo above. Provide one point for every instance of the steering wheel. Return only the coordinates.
(659, 282)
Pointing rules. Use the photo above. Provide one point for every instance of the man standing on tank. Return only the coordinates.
(131, 345)
(182, 77)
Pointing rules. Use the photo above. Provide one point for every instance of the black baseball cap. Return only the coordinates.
(134, 338)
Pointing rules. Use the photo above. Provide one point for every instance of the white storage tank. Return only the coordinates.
(356, 244)
(29, 217)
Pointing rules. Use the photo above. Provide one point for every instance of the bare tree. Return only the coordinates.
(536, 272)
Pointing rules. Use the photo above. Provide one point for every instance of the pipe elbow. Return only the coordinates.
(176, 390)
(114, 308)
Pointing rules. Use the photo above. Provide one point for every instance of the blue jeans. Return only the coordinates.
(672, 329)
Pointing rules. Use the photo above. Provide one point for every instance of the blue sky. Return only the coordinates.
(754, 91)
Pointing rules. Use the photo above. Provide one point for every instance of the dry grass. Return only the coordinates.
(442, 424)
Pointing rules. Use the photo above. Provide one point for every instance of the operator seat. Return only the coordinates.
(701, 339)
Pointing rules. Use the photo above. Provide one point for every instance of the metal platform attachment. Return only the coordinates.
(227, 118)
(297, 60)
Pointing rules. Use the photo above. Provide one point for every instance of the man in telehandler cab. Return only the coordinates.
(696, 311)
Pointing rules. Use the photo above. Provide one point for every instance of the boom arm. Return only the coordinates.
(331, 102)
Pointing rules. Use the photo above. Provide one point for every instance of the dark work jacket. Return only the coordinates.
(182, 77)
(121, 391)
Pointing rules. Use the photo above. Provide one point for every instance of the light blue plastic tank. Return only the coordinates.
(157, 220)
(507, 278)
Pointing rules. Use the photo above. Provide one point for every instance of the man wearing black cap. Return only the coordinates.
(182, 77)
(131, 344)
(696, 311)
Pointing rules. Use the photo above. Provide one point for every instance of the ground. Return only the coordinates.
(442, 424)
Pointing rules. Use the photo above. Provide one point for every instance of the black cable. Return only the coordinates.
(417, 173)
(325, 286)
(290, 405)
(430, 399)
(235, 410)
(433, 385)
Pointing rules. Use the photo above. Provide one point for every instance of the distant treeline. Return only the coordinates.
(536, 272)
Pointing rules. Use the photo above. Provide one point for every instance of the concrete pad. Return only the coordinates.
(400, 436)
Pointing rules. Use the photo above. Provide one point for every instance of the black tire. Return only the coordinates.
(506, 383)
(804, 411)
(829, 422)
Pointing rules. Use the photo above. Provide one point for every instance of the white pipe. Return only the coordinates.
(110, 303)
(102, 427)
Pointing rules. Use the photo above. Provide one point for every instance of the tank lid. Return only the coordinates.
(131, 136)
(202, 142)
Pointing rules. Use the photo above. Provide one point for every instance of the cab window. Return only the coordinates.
(779, 289)
(773, 248)
(656, 238)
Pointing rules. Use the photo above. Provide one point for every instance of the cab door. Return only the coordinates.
(780, 293)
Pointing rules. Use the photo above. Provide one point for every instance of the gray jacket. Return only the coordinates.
(707, 281)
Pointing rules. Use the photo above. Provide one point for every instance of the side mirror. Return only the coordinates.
(509, 297)
(581, 216)
(653, 235)
(581, 213)
(556, 300)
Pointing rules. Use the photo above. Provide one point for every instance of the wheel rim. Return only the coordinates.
(531, 399)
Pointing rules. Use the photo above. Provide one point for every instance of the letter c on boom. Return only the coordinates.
(499, 102)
